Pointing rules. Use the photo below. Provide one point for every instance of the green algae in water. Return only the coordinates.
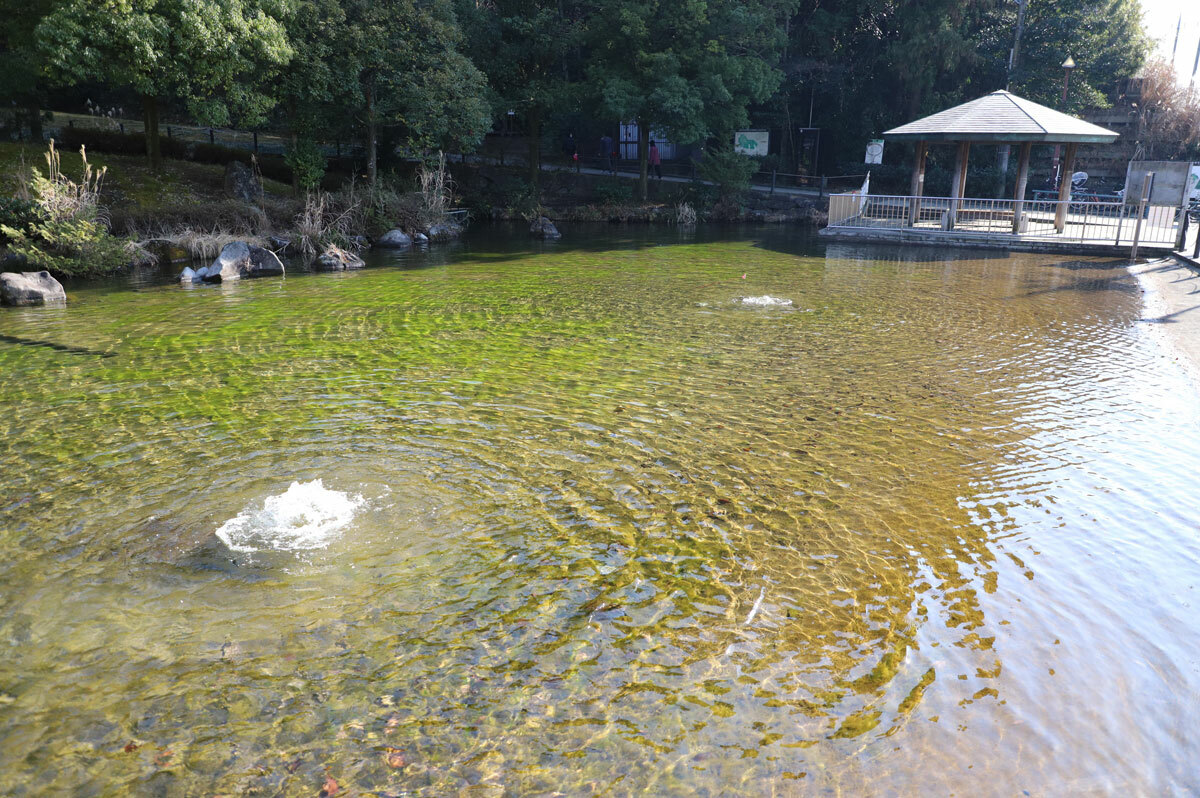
(619, 532)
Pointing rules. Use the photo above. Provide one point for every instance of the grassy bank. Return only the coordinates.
(139, 200)
(185, 209)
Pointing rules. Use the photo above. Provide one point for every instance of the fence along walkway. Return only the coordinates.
(1109, 223)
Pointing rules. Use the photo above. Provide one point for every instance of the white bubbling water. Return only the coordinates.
(305, 516)
(766, 300)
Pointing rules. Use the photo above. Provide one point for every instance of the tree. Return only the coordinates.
(219, 56)
(1168, 115)
(689, 68)
(1105, 38)
(403, 59)
(315, 89)
(20, 62)
(529, 50)
(863, 67)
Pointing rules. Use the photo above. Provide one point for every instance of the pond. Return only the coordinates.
(729, 512)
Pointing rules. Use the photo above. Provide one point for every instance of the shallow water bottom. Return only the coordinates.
(649, 513)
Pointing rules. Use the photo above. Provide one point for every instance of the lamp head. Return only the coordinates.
(1069, 63)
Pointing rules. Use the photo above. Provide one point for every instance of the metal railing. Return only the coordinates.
(687, 171)
(1091, 222)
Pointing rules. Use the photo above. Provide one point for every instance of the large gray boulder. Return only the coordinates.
(444, 231)
(394, 239)
(544, 228)
(237, 260)
(30, 288)
(240, 182)
(336, 259)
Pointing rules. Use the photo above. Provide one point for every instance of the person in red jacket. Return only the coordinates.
(655, 160)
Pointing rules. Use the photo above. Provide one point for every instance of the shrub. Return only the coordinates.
(685, 214)
(70, 234)
(437, 191)
(613, 191)
(17, 214)
(731, 171)
(514, 193)
(307, 163)
(327, 218)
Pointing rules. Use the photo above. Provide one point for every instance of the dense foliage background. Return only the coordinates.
(421, 75)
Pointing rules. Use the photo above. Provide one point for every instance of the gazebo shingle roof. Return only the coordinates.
(1002, 117)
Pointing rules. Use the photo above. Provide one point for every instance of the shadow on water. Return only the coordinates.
(74, 350)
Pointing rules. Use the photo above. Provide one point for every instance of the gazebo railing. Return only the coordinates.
(1089, 222)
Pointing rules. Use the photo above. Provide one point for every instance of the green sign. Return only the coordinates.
(751, 142)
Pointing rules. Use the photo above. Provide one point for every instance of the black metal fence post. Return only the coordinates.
(212, 137)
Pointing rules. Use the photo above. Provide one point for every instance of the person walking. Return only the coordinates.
(570, 151)
(655, 160)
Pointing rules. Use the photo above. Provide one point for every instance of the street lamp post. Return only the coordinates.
(1067, 66)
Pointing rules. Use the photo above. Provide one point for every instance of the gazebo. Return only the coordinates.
(998, 118)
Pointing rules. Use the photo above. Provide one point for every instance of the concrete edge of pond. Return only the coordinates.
(981, 241)
(1172, 305)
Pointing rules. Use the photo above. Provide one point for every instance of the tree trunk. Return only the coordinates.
(35, 121)
(535, 147)
(295, 172)
(643, 159)
(372, 133)
(150, 125)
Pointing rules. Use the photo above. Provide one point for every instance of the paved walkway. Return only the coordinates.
(627, 174)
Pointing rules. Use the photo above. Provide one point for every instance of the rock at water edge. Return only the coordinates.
(188, 275)
(30, 288)
(237, 260)
(264, 263)
(394, 239)
(229, 264)
(544, 228)
(444, 231)
(282, 245)
(336, 259)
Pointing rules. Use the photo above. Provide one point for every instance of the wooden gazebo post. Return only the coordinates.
(1064, 187)
(958, 188)
(1022, 183)
(916, 188)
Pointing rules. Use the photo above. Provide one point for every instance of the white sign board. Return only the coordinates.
(874, 151)
(1193, 184)
(751, 142)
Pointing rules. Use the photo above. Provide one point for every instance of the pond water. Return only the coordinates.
(654, 512)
